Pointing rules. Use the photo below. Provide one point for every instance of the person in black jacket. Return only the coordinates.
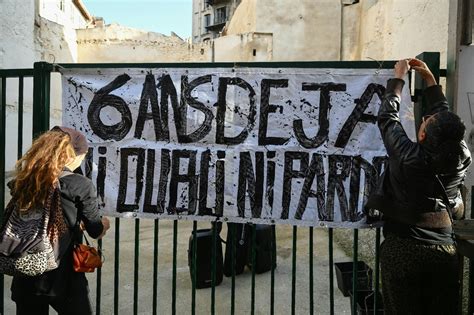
(418, 257)
(49, 162)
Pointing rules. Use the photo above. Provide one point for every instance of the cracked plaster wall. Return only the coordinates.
(395, 29)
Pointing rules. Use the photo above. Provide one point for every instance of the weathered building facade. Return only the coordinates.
(210, 18)
(284, 30)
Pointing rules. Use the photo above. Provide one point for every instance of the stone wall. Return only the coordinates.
(116, 43)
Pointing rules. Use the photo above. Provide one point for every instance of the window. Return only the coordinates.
(206, 23)
(207, 20)
(206, 4)
(221, 15)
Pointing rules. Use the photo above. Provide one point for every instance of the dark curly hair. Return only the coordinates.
(444, 126)
(444, 133)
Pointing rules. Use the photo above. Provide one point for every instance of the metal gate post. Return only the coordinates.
(432, 61)
(41, 97)
(2, 169)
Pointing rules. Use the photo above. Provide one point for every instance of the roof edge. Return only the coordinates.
(82, 8)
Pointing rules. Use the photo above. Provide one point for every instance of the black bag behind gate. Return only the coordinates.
(264, 239)
(263, 249)
(204, 258)
(241, 238)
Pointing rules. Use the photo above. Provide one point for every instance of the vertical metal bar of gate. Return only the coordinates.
(41, 97)
(3, 104)
(173, 287)
(213, 268)
(311, 297)
(116, 266)
(253, 263)
(272, 276)
(98, 284)
(470, 306)
(20, 117)
(136, 266)
(293, 272)
(233, 228)
(156, 232)
(331, 272)
(355, 270)
(193, 269)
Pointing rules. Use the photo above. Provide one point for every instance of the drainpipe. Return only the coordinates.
(343, 4)
(341, 39)
(212, 51)
(467, 25)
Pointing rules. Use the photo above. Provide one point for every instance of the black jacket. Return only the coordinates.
(408, 192)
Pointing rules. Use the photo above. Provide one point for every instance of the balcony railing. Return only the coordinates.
(214, 2)
(218, 24)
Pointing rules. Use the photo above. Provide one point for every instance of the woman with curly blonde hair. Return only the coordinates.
(48, 165)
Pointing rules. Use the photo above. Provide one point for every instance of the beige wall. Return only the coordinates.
(244, 18)
(394, 29)
(302, 30)
(242, 47)
(371, 29)
(115, 43)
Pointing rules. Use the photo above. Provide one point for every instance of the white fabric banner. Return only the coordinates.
(267, 145)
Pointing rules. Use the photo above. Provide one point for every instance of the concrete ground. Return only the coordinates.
(223, 291)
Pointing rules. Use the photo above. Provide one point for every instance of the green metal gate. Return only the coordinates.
(41, 75)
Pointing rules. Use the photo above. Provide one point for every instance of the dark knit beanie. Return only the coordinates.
(78, 140)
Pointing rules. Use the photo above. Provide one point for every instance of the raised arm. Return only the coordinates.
(435, 99)
(395, 139)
